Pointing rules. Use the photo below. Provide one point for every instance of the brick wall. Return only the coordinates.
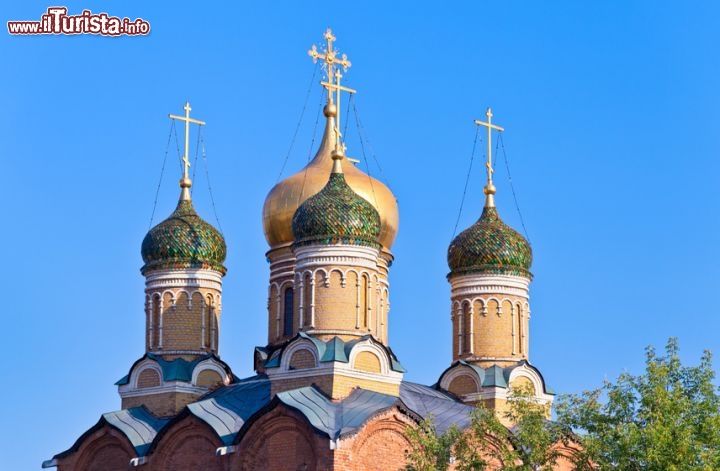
(500, 327)
(189, 445)
(162, 405)
(105, 449)
(281, 440)
(186, 324)
(337, 386)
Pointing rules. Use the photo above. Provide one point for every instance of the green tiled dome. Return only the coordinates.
(490, 246)
(183, 240)
(336, 215)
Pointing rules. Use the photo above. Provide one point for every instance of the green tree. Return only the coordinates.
(430, 451)
(530, 445)
(666, 419)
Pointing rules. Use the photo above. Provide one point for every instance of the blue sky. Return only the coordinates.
(611, 111)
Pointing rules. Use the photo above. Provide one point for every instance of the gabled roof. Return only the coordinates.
(227, 409)
(230, 410)
(336, 419)
(428, 402)
(138, 425)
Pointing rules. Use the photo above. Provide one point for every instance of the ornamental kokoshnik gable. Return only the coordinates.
(328, 393)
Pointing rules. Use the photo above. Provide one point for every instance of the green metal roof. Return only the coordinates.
(496, 376)
(335, 349)
(230, 409)
(178, 369)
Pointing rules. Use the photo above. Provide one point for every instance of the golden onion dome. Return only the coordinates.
(287, 196)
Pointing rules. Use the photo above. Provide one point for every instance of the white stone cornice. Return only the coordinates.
(473, 358)
(184, 278)
(167, 387)
(324, 261)
(339, 255)
(287, 272)
(502, 393)
(468, 285)
(335, 369)
(355, 333)
(160, 351)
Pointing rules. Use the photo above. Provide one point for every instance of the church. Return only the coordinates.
(329, 392)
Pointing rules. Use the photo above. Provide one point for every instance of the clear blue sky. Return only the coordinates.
(611, 110)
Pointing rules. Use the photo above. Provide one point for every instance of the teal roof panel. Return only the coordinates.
(336, 418)
(227, 409)
(138, 425)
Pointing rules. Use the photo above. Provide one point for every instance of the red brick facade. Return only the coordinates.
(279, 440)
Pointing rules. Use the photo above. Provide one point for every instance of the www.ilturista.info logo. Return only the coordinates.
(57, 21)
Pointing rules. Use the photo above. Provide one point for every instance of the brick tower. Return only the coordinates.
(183, 272)
(330, 228)
(490, 309)
(286, 197)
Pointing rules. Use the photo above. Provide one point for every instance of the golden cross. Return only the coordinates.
(330, 58)
(188, 120)
(338, 88)
(490, 189)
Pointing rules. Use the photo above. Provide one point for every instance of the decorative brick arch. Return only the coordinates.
(381, 444)
(463, 384)
(189, 445)
(105, 449)
(280, 440)
(149, 377)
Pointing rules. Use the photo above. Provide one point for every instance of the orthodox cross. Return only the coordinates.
(330, 58)
(334, 76)
(490, 126)
(338, 88)
(188, 120)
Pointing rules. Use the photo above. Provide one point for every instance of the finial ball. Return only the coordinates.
(489, 189)
(330, 110)
(185, 183)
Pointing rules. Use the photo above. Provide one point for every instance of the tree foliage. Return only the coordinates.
(431, 451)
(666, 419)
(530, 445)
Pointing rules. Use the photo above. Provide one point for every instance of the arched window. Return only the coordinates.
(156, 322)
(288, 312)
(365, 287)
(467, 346)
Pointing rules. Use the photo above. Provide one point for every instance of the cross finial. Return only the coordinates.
(332, 69)
(185, 182)
(489, 189)
(330, 57)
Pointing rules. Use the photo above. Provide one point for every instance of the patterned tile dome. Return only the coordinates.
(336, 215)
(183, 240)
(490, 246)
(287, 196)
